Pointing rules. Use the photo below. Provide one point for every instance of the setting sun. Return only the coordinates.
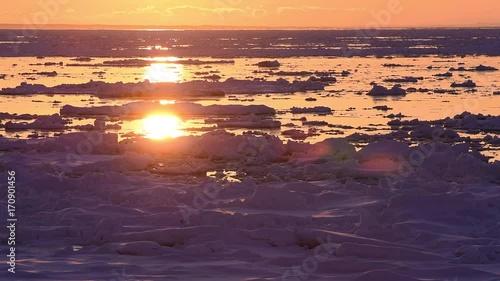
(162, 126)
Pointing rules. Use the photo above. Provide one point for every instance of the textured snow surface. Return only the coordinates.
(93, 208)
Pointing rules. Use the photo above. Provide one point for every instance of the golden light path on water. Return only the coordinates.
(164, 70)
(162, 126)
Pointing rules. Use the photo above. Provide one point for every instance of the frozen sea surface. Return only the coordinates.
(252, 155)
(254, 43)
(341, 84)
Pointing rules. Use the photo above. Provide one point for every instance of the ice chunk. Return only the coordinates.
(316, 109)
(407, 79)
(485, 68)
(249, 122)
(446, 74)
(138, 108)
(466, 84)
(383, 91)
(270, 64)
(52, 122)
(387, 149)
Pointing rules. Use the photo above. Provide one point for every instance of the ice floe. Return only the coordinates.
(147, 89)
(466, 84)
(53, 122)
(378, 90)
(404, 80)
(147, 62)
(270, 64)
(316, 109)
(181, 108)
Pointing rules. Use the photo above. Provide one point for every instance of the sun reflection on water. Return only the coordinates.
(165, 102)
(162, 126)
(163, 72)
(166, 59)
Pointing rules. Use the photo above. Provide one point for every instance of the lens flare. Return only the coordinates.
(162, 127)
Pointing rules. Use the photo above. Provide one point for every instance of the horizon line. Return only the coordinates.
(14, 26)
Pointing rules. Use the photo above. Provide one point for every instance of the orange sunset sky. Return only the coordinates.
(266, 13)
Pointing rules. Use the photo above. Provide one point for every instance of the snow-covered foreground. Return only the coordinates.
(135, 162)
(93, 208)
